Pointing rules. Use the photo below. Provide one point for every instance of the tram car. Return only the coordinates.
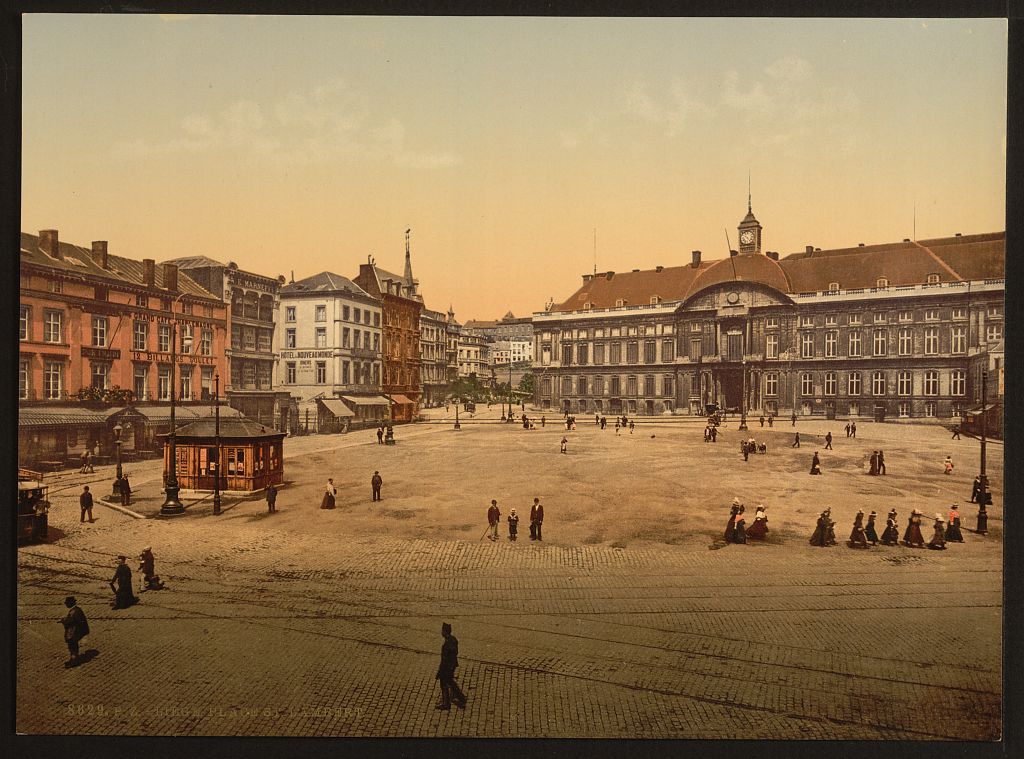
(33, 508)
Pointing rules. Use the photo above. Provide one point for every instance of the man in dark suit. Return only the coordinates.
(375, 483)
(271, 498)
(85, 502)
(76, 627)
(450, 690)
(536, 519)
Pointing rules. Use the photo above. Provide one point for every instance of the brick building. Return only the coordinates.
(897, 330)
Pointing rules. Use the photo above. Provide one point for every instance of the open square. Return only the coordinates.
(632, 618)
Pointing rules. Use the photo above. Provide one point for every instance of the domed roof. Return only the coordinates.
(749, 267)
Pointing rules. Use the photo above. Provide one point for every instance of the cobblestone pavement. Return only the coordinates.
(267, 628)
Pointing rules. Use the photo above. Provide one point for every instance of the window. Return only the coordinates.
(880, 317)
(186, 383)
(931, 315)
(931, 383)
(206, 342)
(833, 287)
(163, 383)
(959, 313)
(345, 372)
(956, 410)
(770, 322)
(289, 337)
(904, 408)
(958, 382)
(321, 313)
(771, 383)
(994, 332)
(958, 339)
(667, 388)
(581, 385)
(631, 386)
(831, 344)
(99, 331)
(23, 380)
(806, 321)
(187, 333)
(321, 337)
(649, 386)
(206, 382)
(994, 312)
(615, 385)
(632, 352)
(163, 338)
(854, 318)
(366, 318)
(878, 383)
(807, 345)
(289, 313)
(771, 346)
(140, 382)
(807, 384)
(830, 383)
(376, 318)
(695, 348)
(853, 384)
(882, 282)
(100, 372)
(566, 354)
(186, 307)
(904, 383)
(566, 385)
(831, 320)
(854, 344)
(668, 350)
(931, 341)
(650, 351)
(619, 303)
(930, 408)
(142, 301)
(249, 338)
(906, 316)
(344, 312)
(933, 279)
(376, 342)
(23, 321)
(581, 354)
(53, 380)
(140, 335)
(878, 344)
(53, 326)
(56, 286)
(905, 343)
(321, 372)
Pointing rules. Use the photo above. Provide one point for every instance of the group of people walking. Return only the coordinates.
(736, 530)
(864, 533)
(536, 521)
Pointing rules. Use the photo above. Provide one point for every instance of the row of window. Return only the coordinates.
(53, 332)
(358, 315)
(54, 371)
(598, 386)
(350, 338)
(360, 372)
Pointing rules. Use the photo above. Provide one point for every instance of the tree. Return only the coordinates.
(526, 383)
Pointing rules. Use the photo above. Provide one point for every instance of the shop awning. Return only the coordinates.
(162, 413)
(336, 407)
(59, 416)
(988, 407)
(402, 400)
(367, 400)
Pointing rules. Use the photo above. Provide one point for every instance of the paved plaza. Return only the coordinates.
(632, 618)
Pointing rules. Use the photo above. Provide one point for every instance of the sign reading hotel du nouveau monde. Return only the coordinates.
(307, 354)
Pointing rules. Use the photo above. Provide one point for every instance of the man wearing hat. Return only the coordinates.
(147, 565)
(76, 627)
(938, 541)
(123, 594)
(375, 484)
(536, 519)
(493, 517)
(450, 690)
(85, 502)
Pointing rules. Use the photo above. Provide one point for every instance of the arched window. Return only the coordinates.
(833, 287)
(882, 282)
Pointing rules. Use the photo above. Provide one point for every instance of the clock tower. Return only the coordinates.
(750, 232)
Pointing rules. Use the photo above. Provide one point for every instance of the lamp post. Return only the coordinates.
(743, 400)
(984, 498)
(216, 437)
(457, 425)
(172, 507)
(117, 444)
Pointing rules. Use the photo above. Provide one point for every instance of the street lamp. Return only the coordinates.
(172, 507)
(117, 443)
(216, 436)
(457, 425)
(743, 400)
(984, 497)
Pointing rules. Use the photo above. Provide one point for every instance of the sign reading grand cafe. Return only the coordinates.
(895, 330)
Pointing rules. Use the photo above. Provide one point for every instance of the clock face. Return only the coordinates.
(747, 237)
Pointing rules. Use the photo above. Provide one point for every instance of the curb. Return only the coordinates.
(122, 509)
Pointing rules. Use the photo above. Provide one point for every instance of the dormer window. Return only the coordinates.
(833, 287)
(882, 282)
(587, 306)
(933, 279)
(620, 302)
(655, 300)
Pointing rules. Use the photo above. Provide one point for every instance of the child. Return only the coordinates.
(948, 463)
(513, 524)
(564, 441)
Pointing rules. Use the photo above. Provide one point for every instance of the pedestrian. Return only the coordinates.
(526, 422)
(617, 425)
(375, 482)
(714, 434)
(853, 429)
(759, 529)
(948, 465)
(536, 519)
(869, 529)
(543, 420)
(380, 436)
(828, 440)
(976, 489)
(830, 526)
(847, 428)
(874, 463)
(632, 426)
(85, 502)
(815, 464)
(796, 440)
(820, 535)
(956, 432)
(147, 565)
(604, 422)
(707, 433)
(891, 533)
(953, 534)
(881, 462)
(565, 441)
(771, 419)
(271, 498)
(597, 420)
(761, 420)
(912, 535)
(126, 491)
(513, 525)
(938, 541)
(76, 627)
(857, 537)
(794, 418)
(493, 517)
(450, 690)
(329, 495)
(730, 527)
(124, 595)
(739, 529)
(745, 448)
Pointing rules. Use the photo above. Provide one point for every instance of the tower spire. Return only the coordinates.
(749, 207)
(408, 259)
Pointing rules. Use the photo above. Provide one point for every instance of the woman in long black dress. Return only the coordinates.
(857, 537)
(740, 532)
(869, 531)
(891, 533)
(759, 529)
(912, 535)
(938, 541)
(830, 527)
(953, 533)
(820, 536)
(730, 528)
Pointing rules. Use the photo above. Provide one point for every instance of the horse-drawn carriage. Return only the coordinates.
(33, 507)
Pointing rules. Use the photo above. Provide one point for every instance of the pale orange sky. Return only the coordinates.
(305, 143)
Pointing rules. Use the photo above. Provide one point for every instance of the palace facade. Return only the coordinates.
(898, 330)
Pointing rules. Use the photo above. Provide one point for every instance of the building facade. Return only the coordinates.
(401, 305)
(512, 351)
(883, 331)
(253, 304)
(509, 327)
(89, 319)
(474, 356)
(433, 357)
(330, 335)
(452, 335)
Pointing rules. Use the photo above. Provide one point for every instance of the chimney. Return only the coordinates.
(171, 277)
(99, 253)
(696, 258)
(733, 253)
(635, 271)
(659, 269)
(149, 272)
(860, 245)
(906, 239)
(958, 234)
(809, 249)
(609, 275)
(773, 255)
(817, 250)
(48, 242)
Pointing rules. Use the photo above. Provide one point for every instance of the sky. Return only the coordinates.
(517, 150)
